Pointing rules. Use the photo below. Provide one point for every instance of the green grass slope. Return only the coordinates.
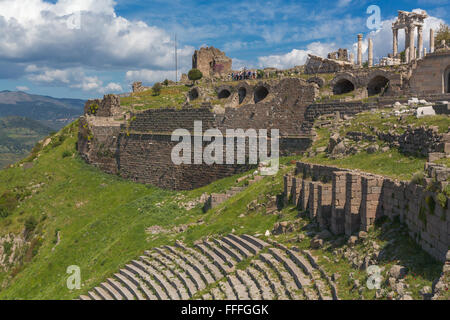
(102, 219)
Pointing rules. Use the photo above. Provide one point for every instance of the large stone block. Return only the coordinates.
(338, 202)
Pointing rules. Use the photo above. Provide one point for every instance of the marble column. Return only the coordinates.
(360, 63)
(370, 53)
(412, 47)
(406, 41)
(395, 42)
(431, 40)
(420, 41)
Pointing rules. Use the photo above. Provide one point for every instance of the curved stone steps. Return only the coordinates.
(176, 270)
(229, 250)
(331, 283)
(301, 280)
(207, 296)
(140, 279)
(199, 267)
(112, 292)
(217, 294)
(253, 290)
(129, 285)
(94, 296)
(238, 287)
(126, 294)
(215, 272)
(103, 294)
(227, 290)
(284, 276)
(261, 282)
(245, 238)
(191, 272)
(181, 272)
(238, 246)
(221, 253)
(215, 258)
(322, 291)
(165, 278)
(272, 278)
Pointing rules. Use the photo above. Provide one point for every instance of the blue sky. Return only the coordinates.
(86, 48)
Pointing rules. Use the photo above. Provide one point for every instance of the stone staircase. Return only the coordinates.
(230, 268)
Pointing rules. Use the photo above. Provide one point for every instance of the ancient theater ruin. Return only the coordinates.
(133, 141)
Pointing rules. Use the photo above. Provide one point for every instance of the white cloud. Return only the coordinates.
(22, 88)
(343, 3)
(38, 32)
(71, 77)
(113, 87)
(295, 57)
(150, 76)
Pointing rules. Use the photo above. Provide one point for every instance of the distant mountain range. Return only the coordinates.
(52, 112)
(18, 135)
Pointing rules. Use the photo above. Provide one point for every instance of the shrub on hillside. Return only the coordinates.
(66, 154)
(418, 179)
(8, 203)
(157, 89)
(195, 75)
(30, 225)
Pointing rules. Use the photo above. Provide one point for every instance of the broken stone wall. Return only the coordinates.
(354, 201)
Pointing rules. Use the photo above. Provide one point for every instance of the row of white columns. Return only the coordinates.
(409, 45)
(410, 48)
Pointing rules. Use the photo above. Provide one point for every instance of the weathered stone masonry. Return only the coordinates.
(138, 147)
(358, 199)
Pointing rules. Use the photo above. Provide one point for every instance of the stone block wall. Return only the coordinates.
(313, 199)
(304, 195)
(338, 202)
(109, 106)
(354, 201)
(418, 141)
(296, 187)
(371, 196)
(314, 111)
(324, 201)
(428, 76)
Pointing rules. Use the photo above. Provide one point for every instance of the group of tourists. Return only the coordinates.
(244, 75)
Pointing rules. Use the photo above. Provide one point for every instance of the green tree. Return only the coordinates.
(443, 33)
(157, 89)
(403, 56)
(166, 82)
(195, 75)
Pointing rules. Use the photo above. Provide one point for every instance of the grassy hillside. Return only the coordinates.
(101, 221)
(18, 135)
(169, 96)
